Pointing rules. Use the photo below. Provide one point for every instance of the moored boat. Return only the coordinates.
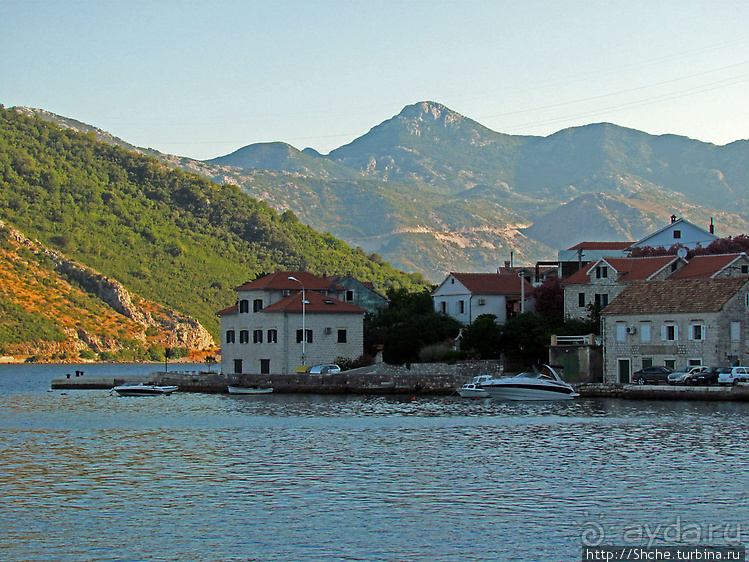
(143, 389)
(474, 389)
(540, 383)
(249, 390)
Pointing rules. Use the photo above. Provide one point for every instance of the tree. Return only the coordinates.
(550, 298)
(482, 338)
(408, 324)
(525, 339)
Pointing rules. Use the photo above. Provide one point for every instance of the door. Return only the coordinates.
(624, 371)
(265, 366)
(571, 364)
(238, 366)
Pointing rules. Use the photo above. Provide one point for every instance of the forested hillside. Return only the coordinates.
(171, 237)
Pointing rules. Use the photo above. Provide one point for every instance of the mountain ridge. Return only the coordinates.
(435, 191)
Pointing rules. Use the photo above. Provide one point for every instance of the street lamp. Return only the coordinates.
(304, 325)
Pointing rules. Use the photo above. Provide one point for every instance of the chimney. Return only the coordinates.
(712, 226)
(673, 219)
(507, 266)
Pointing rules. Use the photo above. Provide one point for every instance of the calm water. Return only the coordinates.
(89, 476)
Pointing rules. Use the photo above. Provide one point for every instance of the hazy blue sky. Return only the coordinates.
(203, 78)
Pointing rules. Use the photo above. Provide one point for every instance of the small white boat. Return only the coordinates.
(249, 390)
(474, 389)
(143, 389)
(541, 383)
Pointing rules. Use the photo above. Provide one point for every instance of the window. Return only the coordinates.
(443, 307)
(265, 366)
(735, 331)
(602, 272)
(272, 336)
(244, 306)
(349, 296)
(308, 339)
(692, 362)
(621, 332)
(670, 363)
(670, 332)
(674, 266)
(677, 234)
(581, 300)
(257, 336)
(238, 366)
(745, 269)
(601, 300)
(257, 305)
(342, 336)
(645, 332)
(244, 336)
(647, 362)
(697, 332)
(229, 336)
(461, 307)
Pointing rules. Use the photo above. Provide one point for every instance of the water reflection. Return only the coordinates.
(299, 477)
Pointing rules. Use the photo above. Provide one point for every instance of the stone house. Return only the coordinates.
(600, 282)
(361, 293)
(676, 323)
(465, 296)
(289, 319)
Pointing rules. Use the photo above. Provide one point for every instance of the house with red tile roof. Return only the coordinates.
(289, 319)
(465, 296)
(676, 323)
(714, 266)
(599, 283)
(678, 232)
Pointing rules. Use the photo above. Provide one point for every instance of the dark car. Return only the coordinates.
(652, 375)
(707, 376)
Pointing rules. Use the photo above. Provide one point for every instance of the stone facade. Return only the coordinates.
(682, 334)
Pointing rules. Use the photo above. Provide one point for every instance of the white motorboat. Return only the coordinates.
(474, 389)
(541, 383)
(249, 390)
(143, 389)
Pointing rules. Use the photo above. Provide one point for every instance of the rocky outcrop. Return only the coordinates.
(183, 330)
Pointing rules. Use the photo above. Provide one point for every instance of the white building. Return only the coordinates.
(465, 296)
(286, 320)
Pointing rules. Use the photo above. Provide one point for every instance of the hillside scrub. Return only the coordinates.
(169, 236)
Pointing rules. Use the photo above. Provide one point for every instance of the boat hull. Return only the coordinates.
(529, 392)
(144, 390)
(249, 390)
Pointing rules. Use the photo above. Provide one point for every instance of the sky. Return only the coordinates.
(204, 78)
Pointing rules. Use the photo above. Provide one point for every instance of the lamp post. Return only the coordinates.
(304, 325)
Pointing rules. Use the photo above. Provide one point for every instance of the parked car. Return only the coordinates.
(709, 376)
(685, 376)
(733, 375)
(325, 369)
(652, 375)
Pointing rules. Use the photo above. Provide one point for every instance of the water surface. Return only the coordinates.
(90, 476)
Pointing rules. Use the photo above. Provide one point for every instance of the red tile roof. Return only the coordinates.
(493, 283)
(231, 310)
(673, 297)
(317, 304)
(280, 281)
(704, 267)
(629, 269)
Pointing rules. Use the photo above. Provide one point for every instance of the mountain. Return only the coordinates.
(433, 191)
(161, 248)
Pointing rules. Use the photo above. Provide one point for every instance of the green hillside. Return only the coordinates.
(172, 237)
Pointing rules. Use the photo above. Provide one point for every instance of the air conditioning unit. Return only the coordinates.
(328, 330)
(482, 301)
(631, 330)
